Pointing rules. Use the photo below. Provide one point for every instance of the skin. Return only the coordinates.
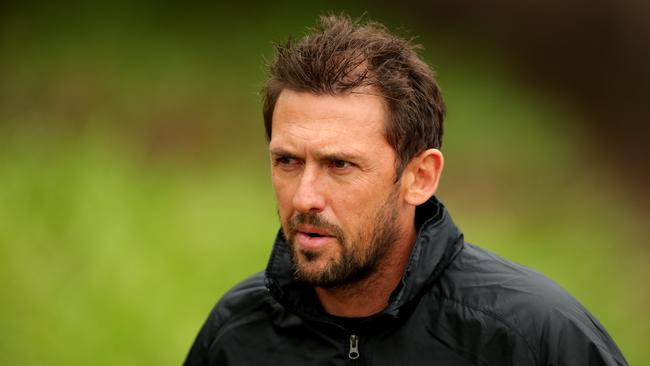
(330, 159)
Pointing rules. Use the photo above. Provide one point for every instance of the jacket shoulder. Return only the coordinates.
(243, 298)
(245, 303)
(527, 308)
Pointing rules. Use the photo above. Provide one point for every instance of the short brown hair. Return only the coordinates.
(341, 55)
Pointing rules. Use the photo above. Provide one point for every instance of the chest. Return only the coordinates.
(422, 339)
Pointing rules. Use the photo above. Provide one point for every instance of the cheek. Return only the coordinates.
(354, 201)
(283, 197)
(360, 210)
(351, 210)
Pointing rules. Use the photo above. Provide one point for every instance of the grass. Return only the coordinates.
(102, 256)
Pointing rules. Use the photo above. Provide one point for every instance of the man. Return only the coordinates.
(368, 267)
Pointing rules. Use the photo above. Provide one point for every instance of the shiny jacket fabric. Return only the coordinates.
(457, 304)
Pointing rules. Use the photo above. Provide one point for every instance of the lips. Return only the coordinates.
(312, 231)
(312, 238)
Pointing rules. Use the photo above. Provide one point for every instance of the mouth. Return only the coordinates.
(312, 232)
(312, 238)
(312, 235)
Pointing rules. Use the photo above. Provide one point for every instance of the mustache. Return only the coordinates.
(315, 220)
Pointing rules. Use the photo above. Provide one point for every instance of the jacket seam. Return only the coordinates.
(498, 318)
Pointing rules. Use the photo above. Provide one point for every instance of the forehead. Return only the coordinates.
(356, 119)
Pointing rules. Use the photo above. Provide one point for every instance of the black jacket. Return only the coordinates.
(456, 305)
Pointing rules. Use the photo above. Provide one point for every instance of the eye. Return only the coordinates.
(286, 162)
(340, 164)
(283, 160)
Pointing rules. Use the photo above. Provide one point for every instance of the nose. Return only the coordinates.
(309, 195)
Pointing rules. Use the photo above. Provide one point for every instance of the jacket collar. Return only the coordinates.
(438, 241)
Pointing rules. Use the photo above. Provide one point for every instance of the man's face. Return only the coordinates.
(334, 177)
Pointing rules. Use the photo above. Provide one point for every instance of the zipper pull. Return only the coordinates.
(354, 347)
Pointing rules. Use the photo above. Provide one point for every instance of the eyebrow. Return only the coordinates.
(279, 151)
(329, 156)
(337, 156)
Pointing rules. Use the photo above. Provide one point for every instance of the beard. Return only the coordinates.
(359, 257)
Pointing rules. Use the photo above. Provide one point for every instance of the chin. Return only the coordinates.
(310, 270)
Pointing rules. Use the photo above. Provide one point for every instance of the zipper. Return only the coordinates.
(353, 354)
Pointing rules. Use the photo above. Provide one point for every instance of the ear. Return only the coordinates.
(421, 176)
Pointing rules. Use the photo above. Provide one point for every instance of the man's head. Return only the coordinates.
(354, 119)
(340, 56)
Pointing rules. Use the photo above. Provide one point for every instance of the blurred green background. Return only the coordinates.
(134, 186)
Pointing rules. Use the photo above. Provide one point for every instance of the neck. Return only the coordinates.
(370, 295)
